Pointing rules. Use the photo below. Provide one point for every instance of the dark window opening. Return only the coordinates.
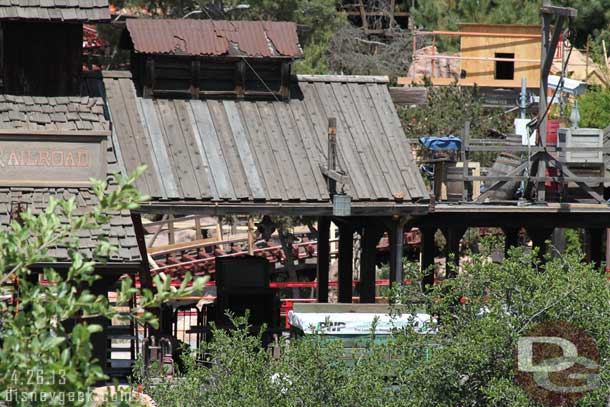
(505, 70)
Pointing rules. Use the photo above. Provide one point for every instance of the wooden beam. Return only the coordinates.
(346, 256)
(334, 175)
(583, 185)
(406, 95)
(145, 276)
(171, 235)
(344, 78)
(548, 61)
(149, 80)
(240, 79)
(396, 235)
(195, 71)
(595, 238)
(539, 236)
(428, 251)
(559, 11)
(511, 238)
(500, 183)
(284, 208)
(285, 80)
(464, 152)
(323, 257)
(453, 235)
(371, 233)
(251, 230)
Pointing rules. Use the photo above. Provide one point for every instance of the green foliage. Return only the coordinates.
(594, 108)
(317, 21)
(468, 362)
(40, 356)
(593, 16)
(473, 364)
(448, 109)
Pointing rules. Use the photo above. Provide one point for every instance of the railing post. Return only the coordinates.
(465, 146)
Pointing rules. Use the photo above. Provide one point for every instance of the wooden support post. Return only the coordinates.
(539, 237)
(285, 81)
(453, 235)
(166, 320)
(149, 82)
(428, 249)
(371, 233)
(541, 191)
(558, 240)
(240, 79)
(511, 238)
(346, 256)
(397, 237)
(595, 237)
(198, 234)
(607, 250)
(100, 340)
(145, 276)
(365, 24)
(251, 230)
(195, 70)
(465, 144)
(171, 236)
(331, 159)
(219, 235)
(323, 257)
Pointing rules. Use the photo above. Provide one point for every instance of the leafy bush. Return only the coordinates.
(469, 362)
(448, 109)
(42, 362)
(594, 108)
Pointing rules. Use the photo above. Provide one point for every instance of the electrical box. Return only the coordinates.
(571, 138)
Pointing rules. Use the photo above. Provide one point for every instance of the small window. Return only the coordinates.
(505, 70)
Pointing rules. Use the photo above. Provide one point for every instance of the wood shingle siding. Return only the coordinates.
(55, 10)
(26, 113)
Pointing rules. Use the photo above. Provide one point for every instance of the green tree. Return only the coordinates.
(593, 16)
(468, 362)
(317, 20)
(448, 109)
(594, 108)
(39, 356)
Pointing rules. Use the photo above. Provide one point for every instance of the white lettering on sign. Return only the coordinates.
(44, 158)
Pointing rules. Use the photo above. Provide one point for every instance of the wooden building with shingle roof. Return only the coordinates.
(52, 139)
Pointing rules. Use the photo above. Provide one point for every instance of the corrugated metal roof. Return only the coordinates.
(66, 113)
(227, 150)
(55, 10)
(214, 37)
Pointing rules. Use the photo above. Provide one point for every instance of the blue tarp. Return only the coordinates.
(446, 143)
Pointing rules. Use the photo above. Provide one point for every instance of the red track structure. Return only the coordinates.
(200, 259)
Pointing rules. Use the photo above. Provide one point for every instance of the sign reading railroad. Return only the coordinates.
(28, 157)
(60, 160)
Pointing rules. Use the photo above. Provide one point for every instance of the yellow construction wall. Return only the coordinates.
(482, 72)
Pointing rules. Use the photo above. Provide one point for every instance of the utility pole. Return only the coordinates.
(559, 16)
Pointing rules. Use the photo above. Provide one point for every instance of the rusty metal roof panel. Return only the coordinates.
(214, 38)
(284, 36)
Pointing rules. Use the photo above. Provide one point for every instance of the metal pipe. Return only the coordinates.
(523, 99)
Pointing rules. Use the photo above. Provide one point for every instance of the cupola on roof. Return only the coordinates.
(268, 39)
